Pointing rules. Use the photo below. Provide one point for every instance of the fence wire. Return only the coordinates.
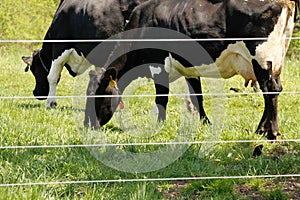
(152, 95)
(145, 144)
(147, 180)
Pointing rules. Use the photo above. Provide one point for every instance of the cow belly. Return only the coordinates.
(235, 59)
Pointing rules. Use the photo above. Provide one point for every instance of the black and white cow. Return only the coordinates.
(261, 59)
(75, 20)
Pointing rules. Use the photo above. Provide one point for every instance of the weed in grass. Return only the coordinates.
(257, 184)
(144, 191)
(207, 189)
(276, 194)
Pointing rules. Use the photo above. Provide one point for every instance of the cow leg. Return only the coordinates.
(53, 78)
(90, 114)
(269, 121)
(194, 85)
(162, 88)
(161, 101)
(54, 75)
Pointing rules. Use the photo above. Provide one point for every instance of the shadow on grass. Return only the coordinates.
(29, 105)
(112, 127)
(40, 105)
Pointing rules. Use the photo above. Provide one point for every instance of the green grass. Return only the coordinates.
(29, 20)
(28, 122)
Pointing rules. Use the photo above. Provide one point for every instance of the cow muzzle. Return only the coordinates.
(41, 94)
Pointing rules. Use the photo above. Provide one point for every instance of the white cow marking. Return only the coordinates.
(275, 48)
(154, 70)
(78, 64)
(236, 59)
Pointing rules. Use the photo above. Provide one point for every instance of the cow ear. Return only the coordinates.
(110, 74)
(27, 60)
(110, 77)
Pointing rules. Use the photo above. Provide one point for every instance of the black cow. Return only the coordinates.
(269, 19)
(75, 20)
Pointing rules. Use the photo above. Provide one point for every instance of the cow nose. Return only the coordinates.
(38, 95)
(104, 120)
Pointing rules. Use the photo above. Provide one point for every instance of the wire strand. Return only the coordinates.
(149, 95)
(147, 180)
(147, 144)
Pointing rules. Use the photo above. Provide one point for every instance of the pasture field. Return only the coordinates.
(44, 152)
(26, 122)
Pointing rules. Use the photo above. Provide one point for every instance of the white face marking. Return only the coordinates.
(275, 48)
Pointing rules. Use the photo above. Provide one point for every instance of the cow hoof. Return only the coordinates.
(93, 127)
(205, 120)
(52, 105)
(96, 127)
(261, 130)
(270, 135)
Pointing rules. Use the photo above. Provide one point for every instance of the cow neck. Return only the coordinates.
(43, 64)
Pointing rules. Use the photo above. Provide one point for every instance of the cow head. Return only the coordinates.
(40, 73)
(105, 106)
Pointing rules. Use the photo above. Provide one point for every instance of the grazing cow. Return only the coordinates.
(75, 20)
(270, 21)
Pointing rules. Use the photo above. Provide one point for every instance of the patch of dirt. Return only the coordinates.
(174, 190)
(290, 187)
(248, 191)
